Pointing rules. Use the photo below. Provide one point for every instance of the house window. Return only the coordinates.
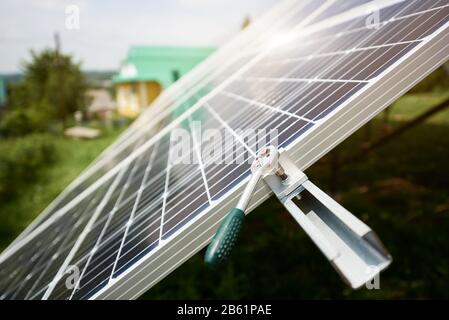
(175, 75)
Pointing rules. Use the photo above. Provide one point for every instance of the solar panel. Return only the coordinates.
(311, 71)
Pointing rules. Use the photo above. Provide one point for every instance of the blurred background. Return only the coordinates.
(74, 75)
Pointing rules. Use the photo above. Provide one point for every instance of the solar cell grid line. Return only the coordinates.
(242, 90)
(25, 259)
(187, 178)
(420, 6)
(301, 65)
(133, 211)
(46, 274)
(164, 196)
(339, 98)
(176, 212)
(87, 293)
(390, 15)
(142, 238)
(340, 19)
(37, 255)
(386, 19)
(111, 214)
(100, 224)
(435, 51)
(304, 64)
(265, 119)
(286, 125)
(251, 117)
(346, 29)
(373, 69)
(196, 139)
(331, 54)
(105, 246)
(99, 270)
(14, 279)
(76, 221)
(339, 7)
(266, 106)
(402, 33)
(176, 181)
(83, 234)
(83, 263)
(318, 100)
(94, 248)
(219, 193)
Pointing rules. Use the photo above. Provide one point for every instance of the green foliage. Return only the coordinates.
(52, 89)
(20, 122)
(20, 162)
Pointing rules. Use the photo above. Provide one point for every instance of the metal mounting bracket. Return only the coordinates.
(350, 245)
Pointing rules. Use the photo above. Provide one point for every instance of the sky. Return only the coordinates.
(108, 28)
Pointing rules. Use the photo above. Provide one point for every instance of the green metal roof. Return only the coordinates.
(2, 92)
(159, 63)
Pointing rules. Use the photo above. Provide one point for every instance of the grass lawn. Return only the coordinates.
(72, 156)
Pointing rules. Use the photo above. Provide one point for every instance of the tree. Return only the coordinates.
(52, 89)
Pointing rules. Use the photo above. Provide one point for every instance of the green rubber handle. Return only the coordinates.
(225, 238)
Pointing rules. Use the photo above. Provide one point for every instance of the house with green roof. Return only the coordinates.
(2, 92)
(147, 70)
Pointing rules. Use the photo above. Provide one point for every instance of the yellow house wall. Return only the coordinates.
(133, 97)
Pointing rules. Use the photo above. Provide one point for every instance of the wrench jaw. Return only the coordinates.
(267, 161)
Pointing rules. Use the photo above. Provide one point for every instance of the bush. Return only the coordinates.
(17, 123)
(21, 160)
